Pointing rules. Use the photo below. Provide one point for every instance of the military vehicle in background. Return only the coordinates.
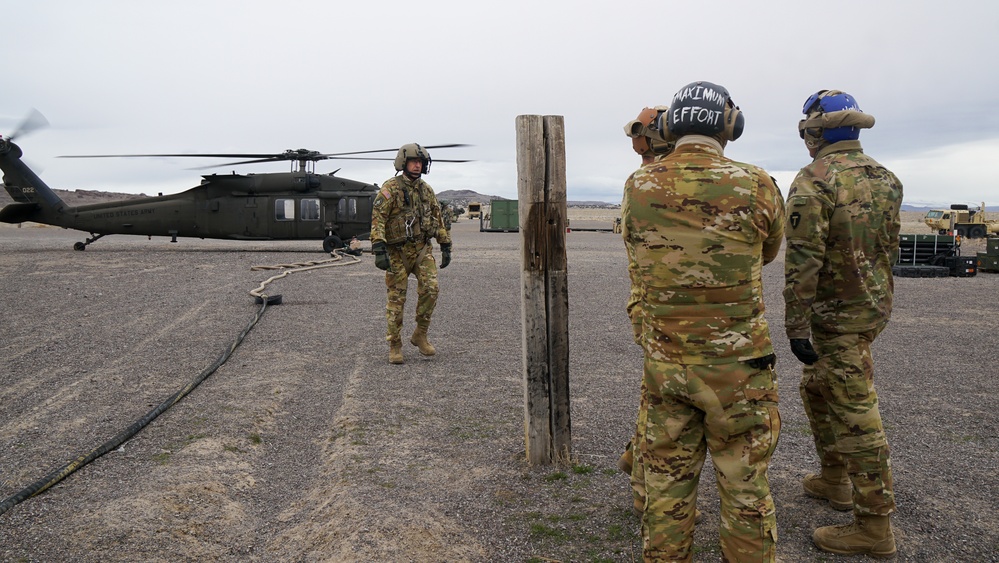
(932, 256)
(961, 221)
(502, 217)
(474, 209)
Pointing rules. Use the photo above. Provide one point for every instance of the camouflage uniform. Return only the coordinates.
(842, 239)
(634, 309)
(406, 216)
(447, 215)
(699, 227)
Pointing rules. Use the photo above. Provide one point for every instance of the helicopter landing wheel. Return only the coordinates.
(83, 245)
(331, 243)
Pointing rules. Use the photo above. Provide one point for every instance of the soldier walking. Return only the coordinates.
(405, 218)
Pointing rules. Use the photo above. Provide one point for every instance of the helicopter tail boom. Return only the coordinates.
(34, 200)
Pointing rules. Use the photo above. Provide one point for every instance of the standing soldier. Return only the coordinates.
(405, 217)
(447, 215)
(651, 144)
(842, 239)
(699, 227)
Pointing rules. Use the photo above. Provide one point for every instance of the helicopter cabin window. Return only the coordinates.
(347, 208)
(284, 209)
(310, 210)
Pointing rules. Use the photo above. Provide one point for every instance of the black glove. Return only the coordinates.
(802, 349)
(445, 254)
(381, 255)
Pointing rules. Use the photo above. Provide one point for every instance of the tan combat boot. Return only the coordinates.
(833, 485)
(395, 351)
(419, 340)
(626, 460)
(870, 535)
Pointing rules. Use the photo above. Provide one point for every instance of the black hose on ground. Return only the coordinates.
(61, 473)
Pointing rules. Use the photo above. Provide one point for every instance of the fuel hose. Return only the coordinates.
(263, 299)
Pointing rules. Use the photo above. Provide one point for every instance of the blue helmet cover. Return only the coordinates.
(829, 103)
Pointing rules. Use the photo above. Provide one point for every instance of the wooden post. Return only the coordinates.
(544, 289)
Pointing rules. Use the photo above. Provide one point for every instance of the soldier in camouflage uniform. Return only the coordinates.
(699, 227)
(404, 219)
(447, 214)
(842, 239)
(651, 144)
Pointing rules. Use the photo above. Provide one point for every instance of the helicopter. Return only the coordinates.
(297, 205)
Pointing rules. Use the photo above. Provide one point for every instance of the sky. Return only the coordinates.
(250, 76)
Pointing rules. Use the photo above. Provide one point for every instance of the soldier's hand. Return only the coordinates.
(802, 349)
(381, 255)
(445, 254)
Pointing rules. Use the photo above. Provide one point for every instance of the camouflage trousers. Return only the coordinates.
(842, 407)
(637, 472)
(729, 410)
(404, 260)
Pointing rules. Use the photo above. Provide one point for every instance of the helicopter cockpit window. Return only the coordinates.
(284, 209)
(310, 210)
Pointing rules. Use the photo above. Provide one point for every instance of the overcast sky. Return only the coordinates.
(263, 76)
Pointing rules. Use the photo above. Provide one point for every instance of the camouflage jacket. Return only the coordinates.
(407, 210)
(842, 239)
(698, 228)
(634, 305)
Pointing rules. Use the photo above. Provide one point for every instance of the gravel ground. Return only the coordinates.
(308, 446)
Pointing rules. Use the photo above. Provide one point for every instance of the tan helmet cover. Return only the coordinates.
(833, 119)
(646, 139)
(412, 150)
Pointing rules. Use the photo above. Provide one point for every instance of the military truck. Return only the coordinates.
(961, 221)
(474, 209)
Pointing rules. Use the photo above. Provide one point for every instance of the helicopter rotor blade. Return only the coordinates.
(181, 155)
(238, 162)
(451, 146)
(32, 122)
(299, 155)
(388, 159)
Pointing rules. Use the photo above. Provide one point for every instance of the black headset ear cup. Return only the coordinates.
(661, 121)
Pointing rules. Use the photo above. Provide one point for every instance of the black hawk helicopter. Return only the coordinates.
(296, 205)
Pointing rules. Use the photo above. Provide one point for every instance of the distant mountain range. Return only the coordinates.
(78, 197)
(463, 197)
(459, 197)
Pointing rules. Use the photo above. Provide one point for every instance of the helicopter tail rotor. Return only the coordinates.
(32, 122)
